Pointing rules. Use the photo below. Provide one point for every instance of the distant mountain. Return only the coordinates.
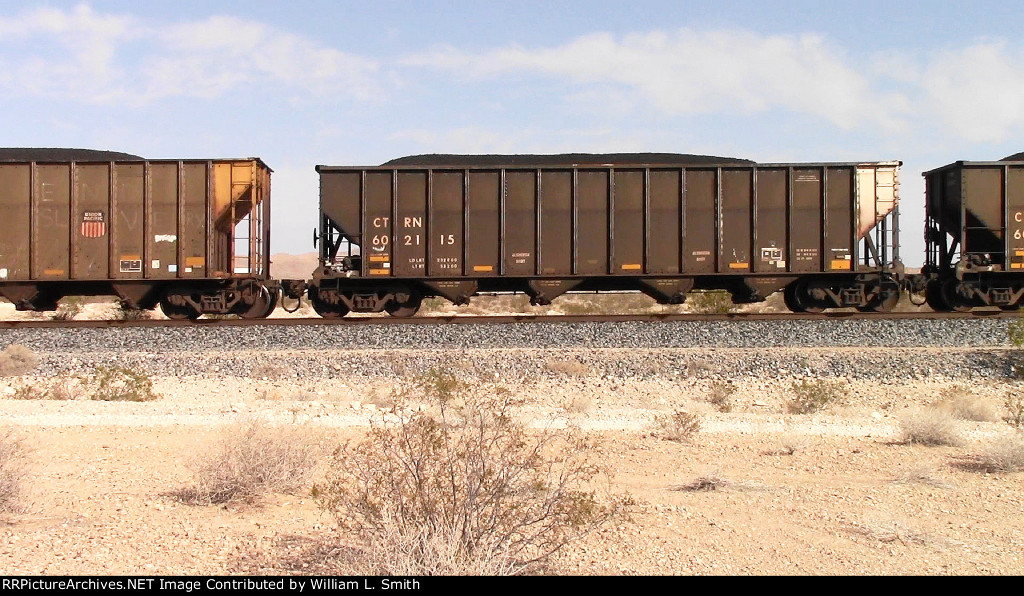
(287, 266)
(60, 154)
(446, 159)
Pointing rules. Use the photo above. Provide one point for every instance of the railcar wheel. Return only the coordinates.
(789, 297)
(262, 306)
(328, 311)
(886, 300)
(807, 303)
(404, 309)
(952, 297)
(933, 296)
(178, 313)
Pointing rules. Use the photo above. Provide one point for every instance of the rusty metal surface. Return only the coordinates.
(127, 220)
(570, 220)
(976, 212)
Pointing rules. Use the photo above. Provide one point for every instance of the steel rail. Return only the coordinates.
(507, 319)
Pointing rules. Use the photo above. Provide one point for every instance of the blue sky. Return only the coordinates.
(358, 83)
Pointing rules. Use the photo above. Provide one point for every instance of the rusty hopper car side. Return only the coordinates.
(391, 235)
(974, 235)
(189, 235)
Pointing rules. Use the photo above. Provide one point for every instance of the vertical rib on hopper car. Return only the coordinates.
(827, 233)
(190, 235)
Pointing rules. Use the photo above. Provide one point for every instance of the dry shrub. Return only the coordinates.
(920, 474)
(1015, 410)
(120, 383)
(790, 442)
(460, 487)
(268, 371)
(720, 396)
(16, 360)
(69, 308)
(125, 312)
(1004, 454)
(930, 426)
(570, 367)
(884, 530)
(253, 460)
(12, 471)
(580, 404)
(959, 402)
(707, 483)
(59, 389)
(681, 426)
(813, 395)
(114, 383)
(715, 302)
(717, 482)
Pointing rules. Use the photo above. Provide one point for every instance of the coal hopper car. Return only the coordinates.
(191, 236)
(826, 234)
(974, 235)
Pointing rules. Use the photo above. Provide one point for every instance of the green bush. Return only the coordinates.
(715, 302)
(119, 383)
(813, 395)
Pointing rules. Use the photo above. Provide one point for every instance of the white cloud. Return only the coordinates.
(976, 92)
(106, 59)
(690, 72)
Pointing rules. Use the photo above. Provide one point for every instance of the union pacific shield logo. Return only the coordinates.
(93, 225)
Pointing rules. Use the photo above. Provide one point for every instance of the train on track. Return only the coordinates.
(193, 236)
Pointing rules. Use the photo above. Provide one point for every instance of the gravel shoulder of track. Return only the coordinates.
(837, 492)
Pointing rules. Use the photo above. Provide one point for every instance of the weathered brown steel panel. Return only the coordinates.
(983, 203)
(483, 224)
(806, 214)
(15, 225)
(628, 223)
(699, 199)
(91, 224)
(163, 216)
(771, 252)
(839, 213)
(52, 234)
(376, 248)
(410, 251)
(592, 222)
(193, 226)
(734, 227)
(555, 245)
(1015, 217)
(339, 200)
(127, 227)
(446, 221)
(520, 230)
(663, 222)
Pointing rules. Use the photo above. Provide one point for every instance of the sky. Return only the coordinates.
(303, 83)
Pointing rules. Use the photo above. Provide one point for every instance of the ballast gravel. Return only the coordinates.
(976, 332)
